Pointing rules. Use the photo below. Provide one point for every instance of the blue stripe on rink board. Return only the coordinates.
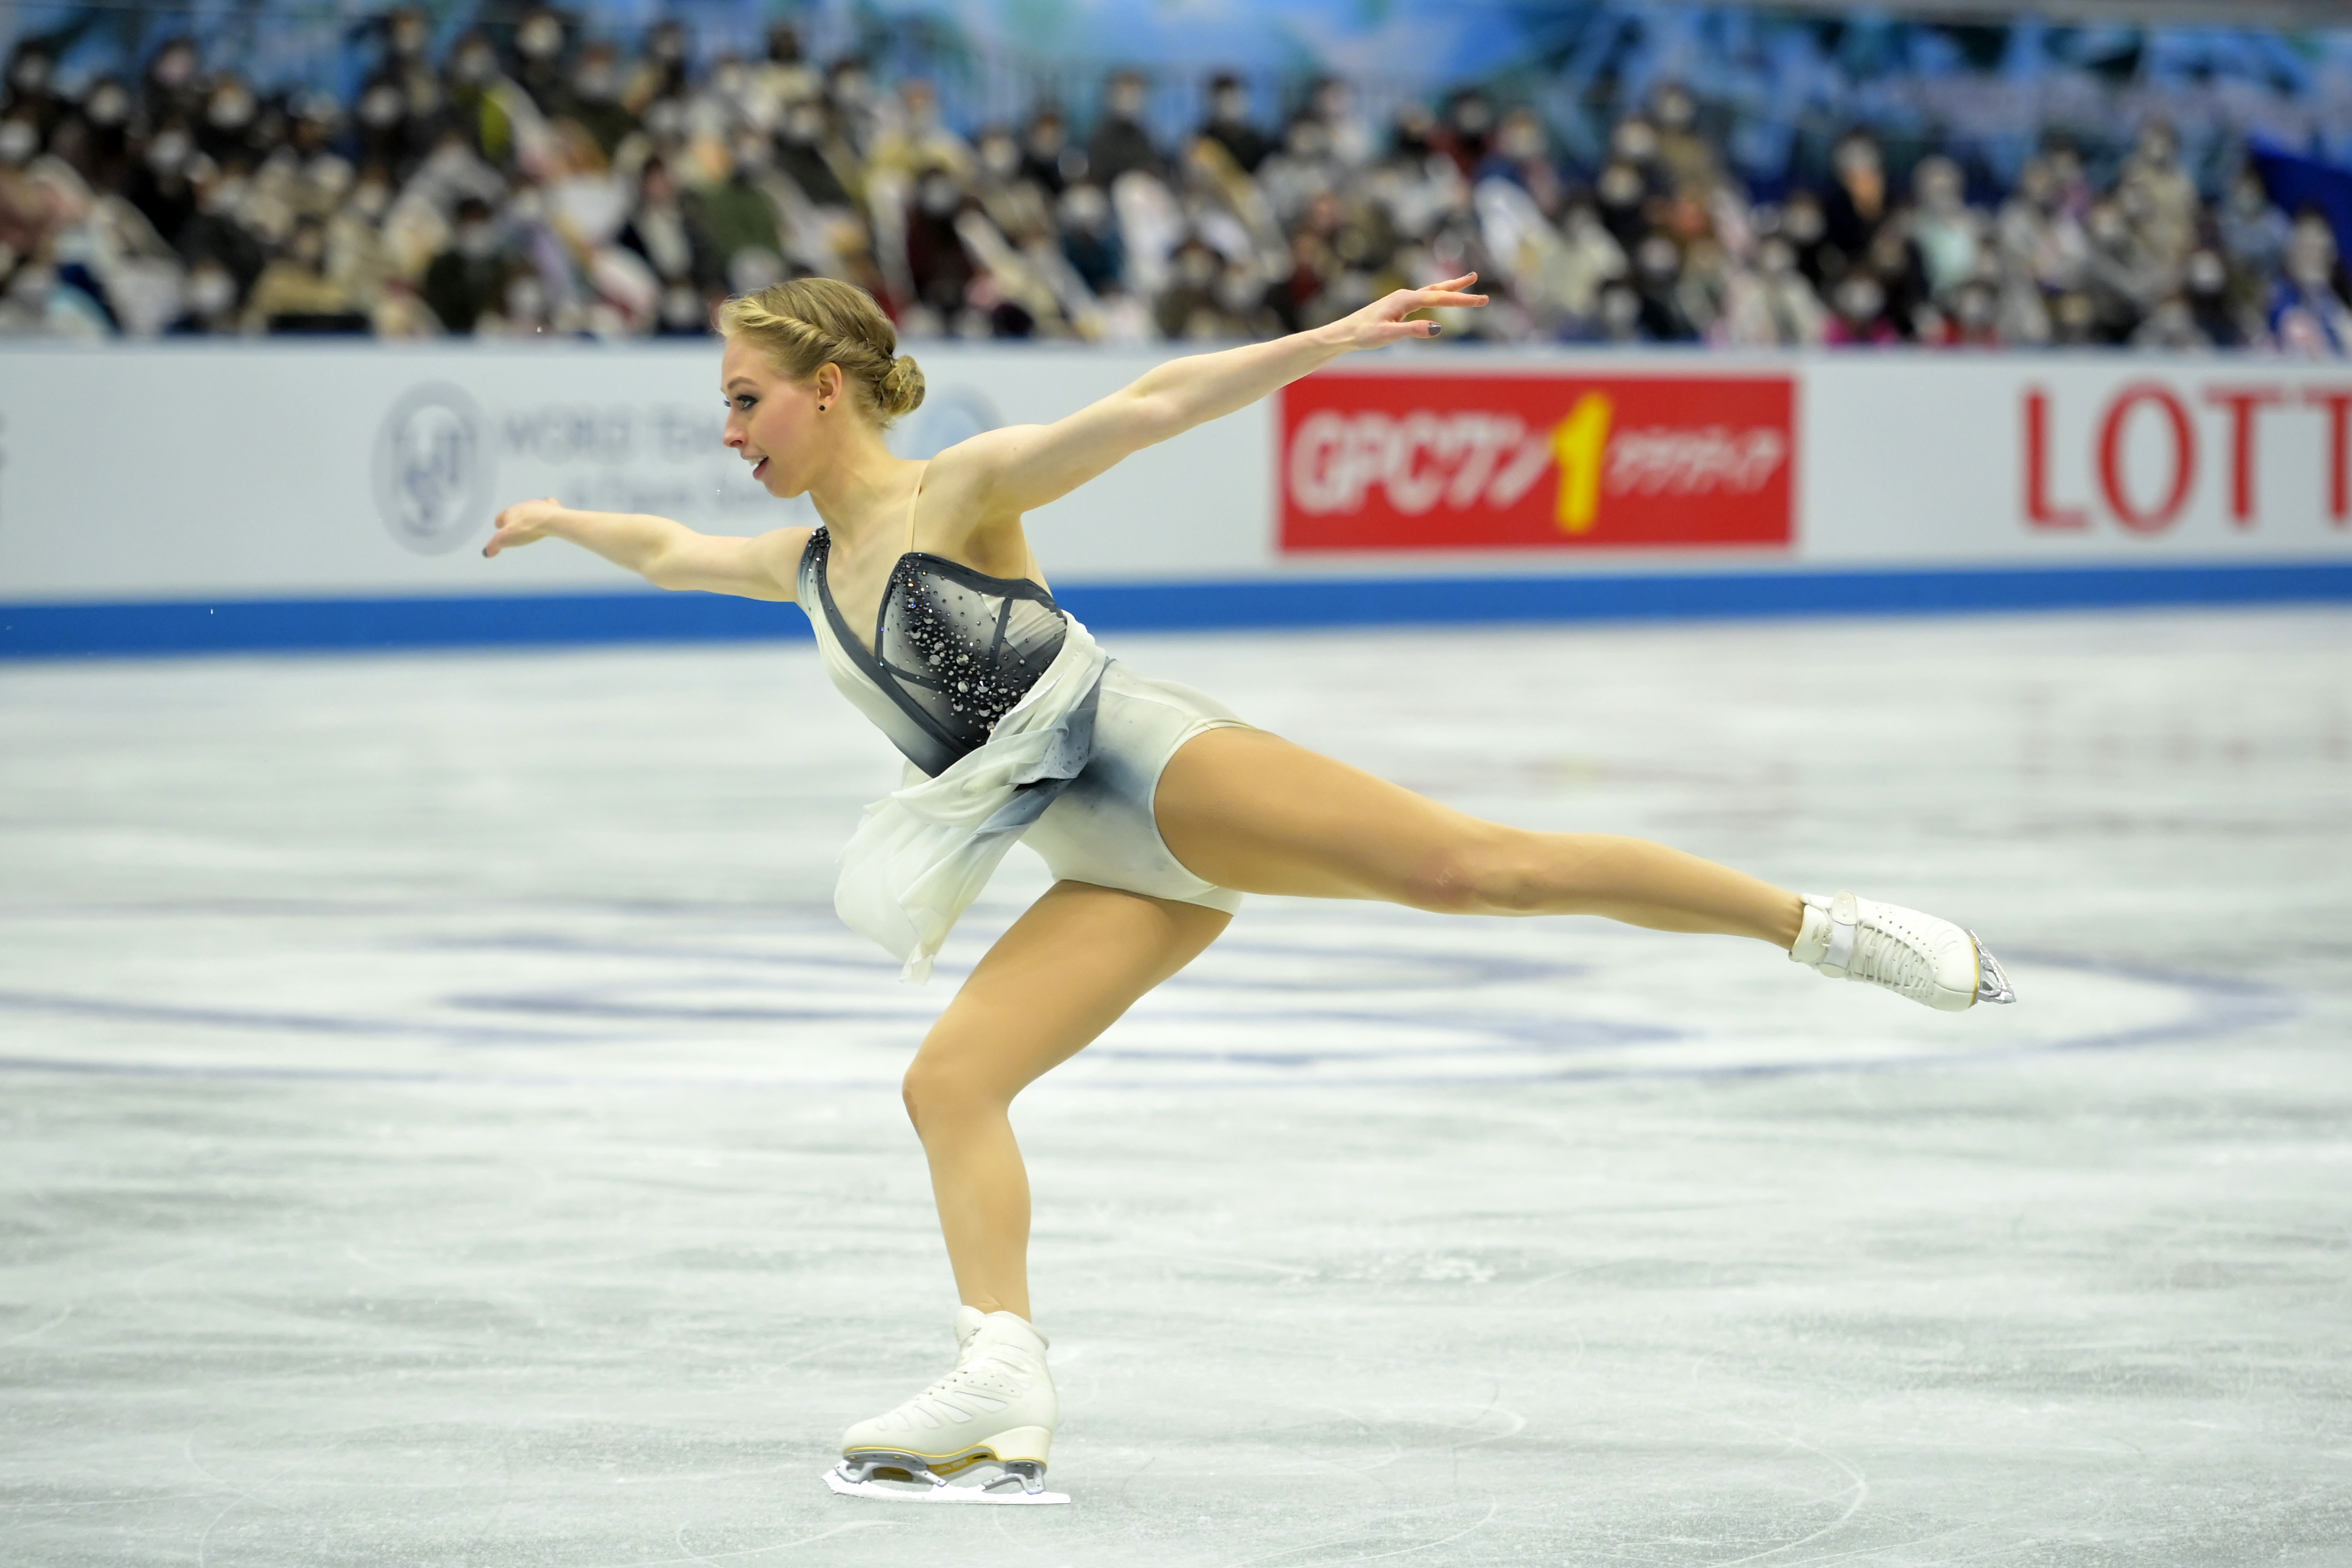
(38, 631)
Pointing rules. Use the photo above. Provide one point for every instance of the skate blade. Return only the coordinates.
(1993, 985)
(936, 1489)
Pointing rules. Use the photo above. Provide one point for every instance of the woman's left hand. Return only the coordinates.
(1382, 322)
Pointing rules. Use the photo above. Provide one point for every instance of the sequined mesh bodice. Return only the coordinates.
(954, 649)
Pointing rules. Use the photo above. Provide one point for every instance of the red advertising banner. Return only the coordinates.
(1574, 462)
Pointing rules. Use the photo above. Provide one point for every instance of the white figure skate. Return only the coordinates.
(981, 1434)
(1928, 960)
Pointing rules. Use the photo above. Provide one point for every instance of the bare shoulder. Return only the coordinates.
(979, 460)
(778, 553)
(967, 479)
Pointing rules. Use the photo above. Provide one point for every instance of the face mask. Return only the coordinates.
(1000, 157)
(940, 197)
(230, 111)
(210, 291)
(18, 141)
(380, 108)
(31, 75)
(108, 106)
(474, 66)
(371, 200)
(541, 38)
(1636, 142)
(475, 240)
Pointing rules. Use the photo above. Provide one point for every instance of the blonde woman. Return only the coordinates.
(1155, 806)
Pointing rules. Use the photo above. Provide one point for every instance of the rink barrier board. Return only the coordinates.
(354, 624)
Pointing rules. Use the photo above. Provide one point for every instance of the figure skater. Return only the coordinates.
(1155, 806)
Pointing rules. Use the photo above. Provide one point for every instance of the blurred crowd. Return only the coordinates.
(542, 182)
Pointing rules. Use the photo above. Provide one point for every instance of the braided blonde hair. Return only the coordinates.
(807, 323)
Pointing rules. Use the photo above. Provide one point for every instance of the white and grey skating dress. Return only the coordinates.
(1015, 726)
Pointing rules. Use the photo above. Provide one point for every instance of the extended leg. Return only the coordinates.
(1063, 974)
(1251, 811)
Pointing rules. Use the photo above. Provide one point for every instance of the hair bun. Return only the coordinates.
(901, 391)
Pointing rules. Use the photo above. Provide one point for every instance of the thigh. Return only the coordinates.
(1253, 812)
(1069, 966)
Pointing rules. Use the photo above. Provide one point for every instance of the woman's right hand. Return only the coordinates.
(524, 523)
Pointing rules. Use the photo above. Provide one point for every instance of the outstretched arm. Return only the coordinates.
(667, 554)
(1024, 466)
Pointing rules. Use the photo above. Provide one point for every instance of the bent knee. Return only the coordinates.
(1498, 874)
(939, 1087)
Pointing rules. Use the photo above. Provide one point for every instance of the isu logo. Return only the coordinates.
(1452, 462)
(432, 470)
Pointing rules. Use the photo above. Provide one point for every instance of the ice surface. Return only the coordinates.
(444, 1124)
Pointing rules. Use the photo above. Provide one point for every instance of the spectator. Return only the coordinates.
(1856, 204)
(940, 266)
(2124, 277)
(1120, 144)
(208, 303)
(728, 211)
(1333, 105)
(658, 233)
(1657, 277)
(1522, 155)
(2253, 236)
(1802, 223)
(2205, 281)
(1229, 125)
(620, 190)
(593, 101)
(2155, 187)
(1860, 316)
(32, 95)
(2308, 313)
(295, 294)
(1189, 308)
(1048, 158)
(1089, 241)
(469, 278)
(1467, 131)
(216, 232)
(814, 158)
(1687, 156)
(1946, 230)
(1777, 306)
(1893, 262)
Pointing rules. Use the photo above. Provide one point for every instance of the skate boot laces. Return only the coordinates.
(1929, 960)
